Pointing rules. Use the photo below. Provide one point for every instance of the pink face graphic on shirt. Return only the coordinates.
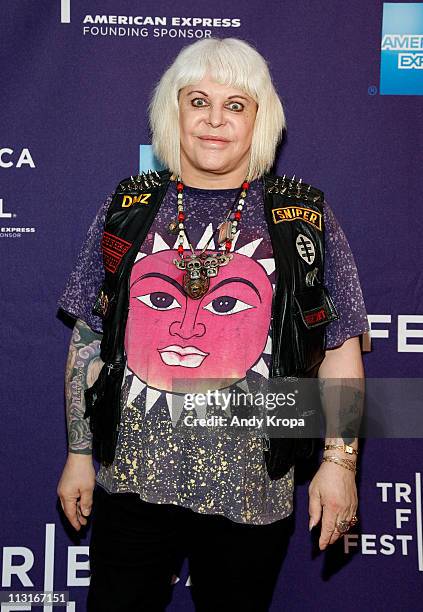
(220, 336)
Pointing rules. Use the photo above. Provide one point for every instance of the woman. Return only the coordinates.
(201, 277)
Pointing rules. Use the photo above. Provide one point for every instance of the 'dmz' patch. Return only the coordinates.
(292, 213)
(114, 248)
(129, 200)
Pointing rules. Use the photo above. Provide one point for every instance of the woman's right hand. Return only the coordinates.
(75, 488)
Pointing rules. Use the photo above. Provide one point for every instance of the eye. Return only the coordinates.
(236, 106)
(159, 300)
(227, 305)
(198, 102)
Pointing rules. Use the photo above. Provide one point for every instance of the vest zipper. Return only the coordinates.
(272, 332)
(265, 442)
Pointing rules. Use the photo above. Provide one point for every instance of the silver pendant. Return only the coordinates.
(195, 288)
(193, 267)
(211, 265)
(198, 271)
(224, 258)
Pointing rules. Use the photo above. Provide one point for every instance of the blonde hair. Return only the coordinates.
(229, 61)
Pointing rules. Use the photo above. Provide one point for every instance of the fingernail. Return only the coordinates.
(310, 525)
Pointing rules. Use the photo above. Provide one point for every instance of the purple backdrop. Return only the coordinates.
(73, 108)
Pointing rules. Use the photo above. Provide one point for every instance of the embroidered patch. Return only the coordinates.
(315, 317)
(305, 248)
(129, 200)
(114, 248)
(311, 276)
(292, 213)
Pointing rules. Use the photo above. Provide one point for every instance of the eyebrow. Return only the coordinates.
(164, 277)
(236, 279)
(229, 97)
(169, 279)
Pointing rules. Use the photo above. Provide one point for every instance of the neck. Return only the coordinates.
(204, 179)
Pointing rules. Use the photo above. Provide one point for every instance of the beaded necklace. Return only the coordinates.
(199, 268)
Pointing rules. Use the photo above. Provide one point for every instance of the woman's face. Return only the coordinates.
(216, 127)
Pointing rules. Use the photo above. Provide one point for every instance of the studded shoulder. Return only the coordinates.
(141, 182)
(293, 188)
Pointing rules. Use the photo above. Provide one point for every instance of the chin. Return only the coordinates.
(215, 166)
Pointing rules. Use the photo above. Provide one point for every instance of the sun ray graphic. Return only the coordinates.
(268, 347)
(208, 232)
(137, 386)
(174, 401)
(151, 398)
(268, 265)
(159, 244)
(140, 256)
(261, 368)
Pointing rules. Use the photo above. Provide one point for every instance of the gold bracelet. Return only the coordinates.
(340, 462)
(349, 462)
(345, 447)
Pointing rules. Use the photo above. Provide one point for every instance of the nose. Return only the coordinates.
(187, 328)
(216, 116)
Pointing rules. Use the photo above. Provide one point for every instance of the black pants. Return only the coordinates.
(136, 546)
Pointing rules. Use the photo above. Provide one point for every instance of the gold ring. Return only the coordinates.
(343, 526)
(354, 520)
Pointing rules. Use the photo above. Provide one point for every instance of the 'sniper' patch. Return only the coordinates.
(292, 213)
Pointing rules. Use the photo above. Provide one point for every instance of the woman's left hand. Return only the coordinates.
(332, 492)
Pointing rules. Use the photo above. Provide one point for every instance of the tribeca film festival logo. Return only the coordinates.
(408, 338)
(138, 26)
(401, 66)
(19, 565)
(400, 541)
(10, 158)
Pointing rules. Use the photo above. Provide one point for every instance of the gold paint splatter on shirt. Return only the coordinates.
(211, 474)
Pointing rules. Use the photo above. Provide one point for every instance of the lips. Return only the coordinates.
(185, 356)
(209, 137)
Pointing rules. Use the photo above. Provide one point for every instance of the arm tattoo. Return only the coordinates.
(350, 415)
(342, 402)
(82, 368)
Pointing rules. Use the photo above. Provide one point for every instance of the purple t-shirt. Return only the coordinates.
(227, 332)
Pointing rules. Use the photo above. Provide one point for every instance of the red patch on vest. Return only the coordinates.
(315, 316)
(114, 248)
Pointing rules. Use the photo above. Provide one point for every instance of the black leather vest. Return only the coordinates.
(301, 305)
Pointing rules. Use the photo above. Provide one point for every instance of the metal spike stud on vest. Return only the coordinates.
(141, 182)
(291, 188)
